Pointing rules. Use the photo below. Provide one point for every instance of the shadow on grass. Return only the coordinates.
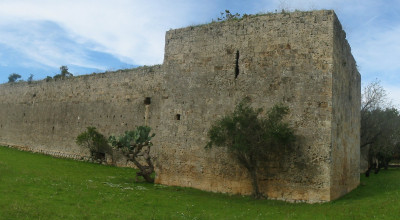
(375, 186)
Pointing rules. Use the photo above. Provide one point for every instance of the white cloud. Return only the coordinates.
(42, 42)
(131, 30)
(134, 30)
(377, 52)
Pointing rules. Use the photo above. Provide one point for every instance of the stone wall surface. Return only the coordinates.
(48, 116)
(300, 59)
(345, 168)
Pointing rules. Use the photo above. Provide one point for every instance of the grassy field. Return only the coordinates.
(34, 186)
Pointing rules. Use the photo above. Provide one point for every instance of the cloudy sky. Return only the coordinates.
(39, 36)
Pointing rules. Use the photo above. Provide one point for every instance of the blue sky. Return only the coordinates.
(39, 36)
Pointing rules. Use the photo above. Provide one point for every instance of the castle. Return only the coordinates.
(300, 59)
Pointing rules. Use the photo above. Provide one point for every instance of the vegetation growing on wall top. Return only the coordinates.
(13, 77)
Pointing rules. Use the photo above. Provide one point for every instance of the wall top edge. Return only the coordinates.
(142, 70)
(245, 19)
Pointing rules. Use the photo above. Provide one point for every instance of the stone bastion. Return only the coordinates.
(300, 59)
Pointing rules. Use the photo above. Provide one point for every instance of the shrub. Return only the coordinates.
(95, 142)
(227, 16)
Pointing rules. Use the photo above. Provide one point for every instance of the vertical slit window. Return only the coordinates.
(237, 65)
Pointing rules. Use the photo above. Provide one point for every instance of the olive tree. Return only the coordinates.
(250, 136)
(135, 145)
(380, 127)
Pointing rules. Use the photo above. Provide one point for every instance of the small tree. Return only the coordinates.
(13, 77)
(64, 73)
(30, 79)
(135, 145)
(250, 137)
(95, 142)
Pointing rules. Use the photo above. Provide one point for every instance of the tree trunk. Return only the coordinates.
(254, 181)
(145, 171)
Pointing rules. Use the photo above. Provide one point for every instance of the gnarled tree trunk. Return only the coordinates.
(146, 170)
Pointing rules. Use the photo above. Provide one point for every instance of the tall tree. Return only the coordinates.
(380, 126)
(373, 97)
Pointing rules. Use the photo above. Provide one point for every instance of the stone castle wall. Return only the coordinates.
(48, 116)
(346, 105)
(300, 59)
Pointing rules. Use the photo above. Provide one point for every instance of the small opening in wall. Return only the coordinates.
(178, 117)
(237, 65)
(147, 101)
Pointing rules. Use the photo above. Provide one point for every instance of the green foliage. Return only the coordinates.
(64, 73)
(250, 137)
(135, 145)
(35, 186)
(133, 138)
(95, 142)
(380, 125)
(227, 16)
(244, 131)
(387, 125)
(13, 77)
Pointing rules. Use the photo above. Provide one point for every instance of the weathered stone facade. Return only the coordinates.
(300, 59)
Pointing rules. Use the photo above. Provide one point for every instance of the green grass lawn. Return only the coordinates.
(34, 186)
